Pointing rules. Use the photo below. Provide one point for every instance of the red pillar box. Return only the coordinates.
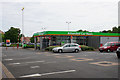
(101, 45)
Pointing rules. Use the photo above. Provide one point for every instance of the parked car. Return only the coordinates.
(110, 47)
(69, 47)
(118, 52)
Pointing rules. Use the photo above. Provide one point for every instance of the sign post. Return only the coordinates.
(7, 43)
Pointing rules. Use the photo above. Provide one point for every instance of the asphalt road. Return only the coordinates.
(24, 63)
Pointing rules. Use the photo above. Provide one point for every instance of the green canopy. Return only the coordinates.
(75, 33)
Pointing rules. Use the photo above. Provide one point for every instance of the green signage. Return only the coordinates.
(74, 33)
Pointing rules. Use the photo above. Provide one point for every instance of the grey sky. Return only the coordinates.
(91, 15)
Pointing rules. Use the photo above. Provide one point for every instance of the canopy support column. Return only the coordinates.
(35, 43)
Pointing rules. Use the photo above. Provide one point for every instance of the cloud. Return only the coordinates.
(84, 14)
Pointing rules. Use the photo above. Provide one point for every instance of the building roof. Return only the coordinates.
(75, 33)
(2, 32)
(26, 39)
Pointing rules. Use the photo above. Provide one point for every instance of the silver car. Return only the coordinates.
(69, 47)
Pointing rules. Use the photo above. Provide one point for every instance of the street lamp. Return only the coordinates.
(43, 28)
(22, 26)
(68, 26)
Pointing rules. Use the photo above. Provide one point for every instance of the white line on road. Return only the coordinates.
(50, 62)
(35, 62)
(56, 54)
(4, 55)
(14, 63)
(8, 59)
(25, 62)
(34, 66)
(36, 75)
(22, 58)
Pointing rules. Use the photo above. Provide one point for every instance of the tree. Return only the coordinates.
(20, 37)
(109, 31)
(82, 30)
(118, 29)
(32, 39)
(115, 30)
(104, 31)
(12, 34)
(3, 38)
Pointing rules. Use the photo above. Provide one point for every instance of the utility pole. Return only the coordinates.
(23, 27)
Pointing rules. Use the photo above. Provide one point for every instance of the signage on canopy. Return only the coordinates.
(80, 33)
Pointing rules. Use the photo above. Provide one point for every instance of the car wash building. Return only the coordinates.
(92, 39)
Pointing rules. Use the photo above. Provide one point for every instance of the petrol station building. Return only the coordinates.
(92, 39)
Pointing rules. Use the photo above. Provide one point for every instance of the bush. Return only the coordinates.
(15, 45)
(86, 48)
(50, 48)
(29, 46)
(83, 47)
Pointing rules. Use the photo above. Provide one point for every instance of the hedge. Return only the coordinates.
(15, 45)
(86, 48)
(50, 48)
(83, 47)
(29, 46)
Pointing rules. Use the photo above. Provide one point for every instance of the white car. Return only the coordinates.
(69, 47)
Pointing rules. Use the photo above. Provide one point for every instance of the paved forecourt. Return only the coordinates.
(24, 63)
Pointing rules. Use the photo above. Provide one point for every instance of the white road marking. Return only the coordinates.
(35, 75)
(35, 62)
(56, 54)
(14, 63)
(25, 62)
(8, 59)
(34, 66)
(50, 62)
(22, 58)
(5, 55)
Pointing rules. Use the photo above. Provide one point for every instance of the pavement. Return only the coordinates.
(24, 63)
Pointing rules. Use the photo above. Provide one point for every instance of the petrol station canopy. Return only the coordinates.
(75, 33)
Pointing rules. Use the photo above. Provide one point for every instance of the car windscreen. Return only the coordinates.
(107, 44)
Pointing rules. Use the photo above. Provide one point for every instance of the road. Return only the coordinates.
(24, 63)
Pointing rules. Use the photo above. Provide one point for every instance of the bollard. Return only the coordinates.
(13, 46)
(6, 47)
(17, 46)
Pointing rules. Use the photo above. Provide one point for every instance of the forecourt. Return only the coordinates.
(25, 63)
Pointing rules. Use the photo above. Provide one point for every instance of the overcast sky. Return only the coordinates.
(91, 15)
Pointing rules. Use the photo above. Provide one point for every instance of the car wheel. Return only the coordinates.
(101, 51)
(76, 50)
(60, 51)
(53, 51)
(108, 50)
(118, 55)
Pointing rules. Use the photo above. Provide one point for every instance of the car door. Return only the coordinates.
(113, 46)
(66, 48)
(72, 47)
(117, 45)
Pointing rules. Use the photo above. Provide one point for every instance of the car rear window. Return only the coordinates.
(112, 44)
(73, 45)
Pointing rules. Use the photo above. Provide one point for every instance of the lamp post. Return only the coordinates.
(68, 26)
(22, 26)
(68, 30)
(43, 28)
